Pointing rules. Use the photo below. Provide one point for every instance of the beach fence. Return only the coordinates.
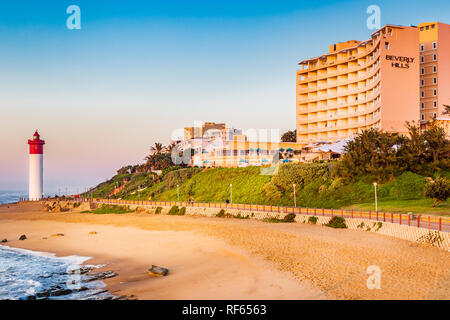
(430, 230)
(420, 221)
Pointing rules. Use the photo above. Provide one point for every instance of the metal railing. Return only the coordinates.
(420, 221)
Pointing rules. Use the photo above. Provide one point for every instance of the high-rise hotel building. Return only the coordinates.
(374, 83)
(434, 70)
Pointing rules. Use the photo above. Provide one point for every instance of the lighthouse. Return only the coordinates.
(36, 181)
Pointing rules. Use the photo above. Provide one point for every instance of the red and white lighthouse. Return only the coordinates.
(36, 181)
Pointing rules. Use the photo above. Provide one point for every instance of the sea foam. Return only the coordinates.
(26, 274)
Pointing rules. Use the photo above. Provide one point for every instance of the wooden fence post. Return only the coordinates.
(440, 223)
(418, 221)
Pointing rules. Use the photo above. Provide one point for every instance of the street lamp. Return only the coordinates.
(178, 192)
(376, 202)
(231, 193)
(295, 197)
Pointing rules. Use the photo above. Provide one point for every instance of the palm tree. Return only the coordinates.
(158, 148)
(446, 110)
(171, 146)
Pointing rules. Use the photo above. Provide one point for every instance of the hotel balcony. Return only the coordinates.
(360, 63)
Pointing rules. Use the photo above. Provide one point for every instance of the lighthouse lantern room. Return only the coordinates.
(36, 181)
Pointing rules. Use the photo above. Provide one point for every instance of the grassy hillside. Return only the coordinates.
(209, 185)
(316, 186)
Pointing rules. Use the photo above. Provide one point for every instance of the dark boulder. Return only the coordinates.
(99, 276)
(156, 271)
(23, 237)
(4, 240)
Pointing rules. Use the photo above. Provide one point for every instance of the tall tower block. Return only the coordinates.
(36, 181)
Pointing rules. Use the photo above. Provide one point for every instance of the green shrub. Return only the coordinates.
(312, 220)
(432, 237)
(378, 226)
(220, 214)
(238, 216)
(336, 222)
(158, 210)
(287, 219)
(438, 190)
(110, 209)
(290, 217)
(182, 211)
(174, 210)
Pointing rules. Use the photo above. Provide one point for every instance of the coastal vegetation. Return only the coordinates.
(176, 211)
(287, 219)
(438, 190)
(289, 136)
(412, 175)
(312, 220)
(337, 222)
(109, 209)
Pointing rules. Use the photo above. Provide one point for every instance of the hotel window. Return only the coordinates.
(422, 105)
(423, 94)
(422, 59)
(423, 116)
(422, 82)
(434, 57)
(434, 115)
(427, 27)
(434, 69)
(435, 92)
(423, 71)
(434, 45)
(434, 80)
(434, 104)
(421, 47)
(432, 26)
(387, 45)
(421, 28)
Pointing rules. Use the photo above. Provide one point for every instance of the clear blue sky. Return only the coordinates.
(137, 70)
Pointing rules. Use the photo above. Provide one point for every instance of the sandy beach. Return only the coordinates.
(213, 258)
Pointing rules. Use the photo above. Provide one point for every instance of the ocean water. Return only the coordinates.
(11, 196)
(26, 274)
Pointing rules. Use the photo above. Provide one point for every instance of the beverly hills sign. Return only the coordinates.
(399, 61)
